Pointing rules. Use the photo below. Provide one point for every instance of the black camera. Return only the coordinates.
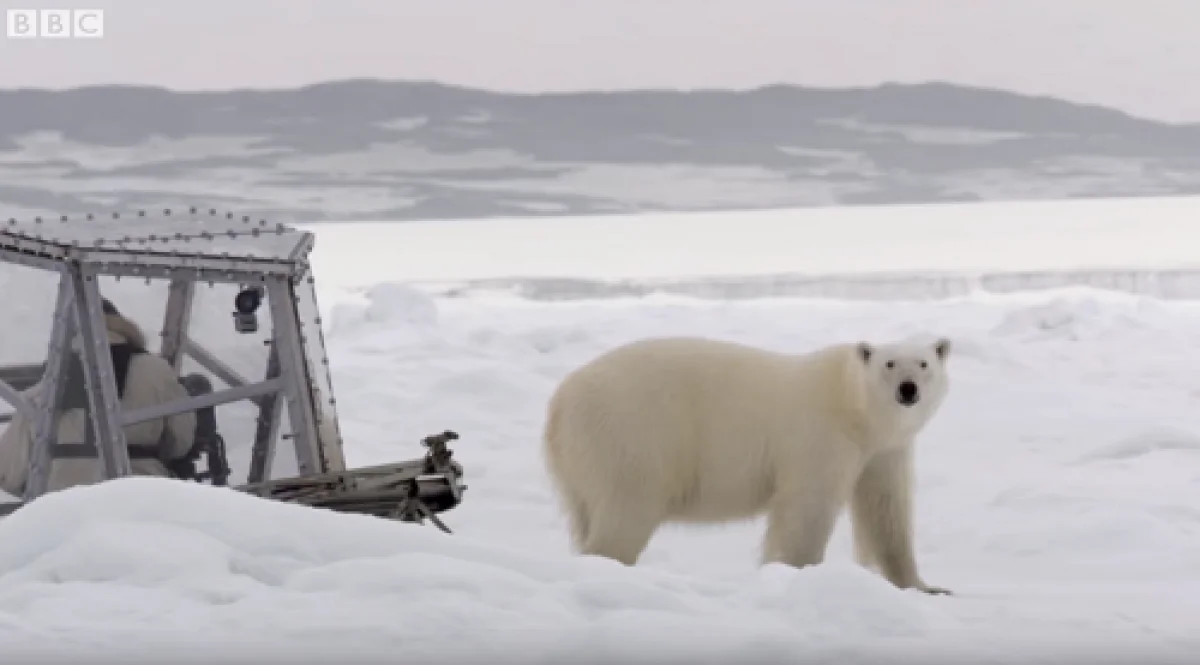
(245, 308)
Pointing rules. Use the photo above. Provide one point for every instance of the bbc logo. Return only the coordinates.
(56, 23)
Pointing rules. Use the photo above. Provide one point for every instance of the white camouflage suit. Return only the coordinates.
(150, 380)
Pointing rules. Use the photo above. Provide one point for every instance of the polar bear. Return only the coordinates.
(694, 430)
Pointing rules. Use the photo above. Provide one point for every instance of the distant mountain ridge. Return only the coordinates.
(368, 149)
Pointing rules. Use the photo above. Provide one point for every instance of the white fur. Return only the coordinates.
(702, 431)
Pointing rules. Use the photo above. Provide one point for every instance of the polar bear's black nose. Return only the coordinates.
(907, 393)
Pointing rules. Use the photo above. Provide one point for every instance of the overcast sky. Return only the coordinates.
(1139, 55)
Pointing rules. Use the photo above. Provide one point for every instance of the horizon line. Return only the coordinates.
(681, 90)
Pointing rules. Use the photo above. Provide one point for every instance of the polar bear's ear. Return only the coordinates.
(942, 348)
(864, 351)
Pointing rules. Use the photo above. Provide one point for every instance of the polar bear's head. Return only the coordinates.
(908, 379)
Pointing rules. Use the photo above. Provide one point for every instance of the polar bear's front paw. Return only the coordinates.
(933, 590)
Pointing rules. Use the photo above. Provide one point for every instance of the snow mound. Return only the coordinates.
(1079, 314)
(397, 303)
(1146, 443)
(388, 305)
(168, 565)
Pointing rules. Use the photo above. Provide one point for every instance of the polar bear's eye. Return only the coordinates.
(891, 364)
(924, 364)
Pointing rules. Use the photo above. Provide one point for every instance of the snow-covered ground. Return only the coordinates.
(1059, 496)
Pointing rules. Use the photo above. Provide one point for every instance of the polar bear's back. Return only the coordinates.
(693, 422)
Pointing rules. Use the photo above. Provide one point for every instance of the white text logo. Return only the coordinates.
(56, 23)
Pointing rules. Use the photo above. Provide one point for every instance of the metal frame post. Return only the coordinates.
(14, 397)
(103, 401)
(249, 391)
(49, 400)
(177, 321)
(324, 404)
(266, 433)
(293, 370)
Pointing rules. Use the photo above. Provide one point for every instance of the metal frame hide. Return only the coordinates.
(62, 334)
(79, 316)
